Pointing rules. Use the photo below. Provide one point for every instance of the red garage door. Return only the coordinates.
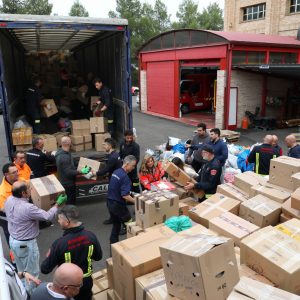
(160, 88)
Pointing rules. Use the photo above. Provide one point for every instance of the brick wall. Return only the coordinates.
(278, 20)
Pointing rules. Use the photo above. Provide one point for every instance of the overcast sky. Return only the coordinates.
(100, 8)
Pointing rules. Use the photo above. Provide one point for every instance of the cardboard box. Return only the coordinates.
(99, 140)
(288, 211)
(59, 136)
(133, 229)
(284, 218)
(93, 164)
(23, 147)
(180, 176)
(295, 199)
(22, 136)
(152, 286)
(230, 190)
(275, 255)
(199, 267)
(155, 208)
(100, 282)
(186, 204)
(232, 226)
(100, 296)
(182, 193)
(87, 142)
(80, 127)
(291, 228)
(81, 143)
(197, 230)
(246, 180)
(110, 274)
(111, 295)
(245, 271)
(48, 108)
(260, 211)
(281, 170)
(213, 207)
(98, 125)
(249, 289)
(45, 190)
(135, 257)
(296, 181)
(277, 195)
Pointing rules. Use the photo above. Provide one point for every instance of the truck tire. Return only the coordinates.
(185, 108)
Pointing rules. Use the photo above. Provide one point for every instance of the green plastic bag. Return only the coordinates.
(179, 223)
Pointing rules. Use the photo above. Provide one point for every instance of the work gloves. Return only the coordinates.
(61, 199)
(85, 170)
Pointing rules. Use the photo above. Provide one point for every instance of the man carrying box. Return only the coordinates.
(23, 226)
(209, 174)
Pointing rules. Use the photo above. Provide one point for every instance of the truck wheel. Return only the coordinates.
(185, 108)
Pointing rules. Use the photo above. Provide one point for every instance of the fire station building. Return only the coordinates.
(217, 76)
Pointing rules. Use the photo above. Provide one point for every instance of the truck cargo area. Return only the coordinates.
(48, 46)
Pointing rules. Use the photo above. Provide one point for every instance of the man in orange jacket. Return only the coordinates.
(20, 162)
(11, 175)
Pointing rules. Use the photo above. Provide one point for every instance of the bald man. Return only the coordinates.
(261, 156)
(275, 144)
(66, 284)
(294, 147)
(66, 169)
(23, 226)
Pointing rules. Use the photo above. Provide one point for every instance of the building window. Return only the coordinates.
(295, 6)
(254, 12)
(248, 57)
(283, 58)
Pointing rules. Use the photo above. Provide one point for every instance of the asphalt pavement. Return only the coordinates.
(151, 131)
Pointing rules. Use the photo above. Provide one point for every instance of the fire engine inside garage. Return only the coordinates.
(221, 77)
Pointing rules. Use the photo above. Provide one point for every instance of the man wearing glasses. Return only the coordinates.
(77, 245)
(67, 281)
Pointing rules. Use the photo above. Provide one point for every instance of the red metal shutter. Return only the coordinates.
(160, 87)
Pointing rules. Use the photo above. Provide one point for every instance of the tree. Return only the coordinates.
(32, 7)
(212, 17)
(187, 14)
(161, 16)
(78, 10)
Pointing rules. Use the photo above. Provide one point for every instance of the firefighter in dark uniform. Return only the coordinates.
(107, 103)
(77, 245)
(33, 103)
(209, 174)
(130, 147)
(36, 158)
(261, 156)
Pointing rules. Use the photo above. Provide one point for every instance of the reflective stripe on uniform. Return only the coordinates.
(257, 163)
(110, 121)
(68, 257)
(89, 259)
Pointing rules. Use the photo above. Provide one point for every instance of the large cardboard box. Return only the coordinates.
(232, 226)
(284, 218)
(260, 211)
(133, 229)
(48, 108)
(93, 164)
(100, 296)
(296, 181)
(100, 282)
(81, 143)
(281, 170)
(249, 273)
(111, 295)
(110, 274)
(135, 257)
(98, 125)
(295, 199)
(230, 190)
(45, 190)
(199, 267)
(274, 255)
(80, 127)
(59, 136)
(22, 136)
(246, 180)
(99, 140)
(288, 211)
(180, 176)
(249, 289)
(155, 208)
(291, 228)
(274, 194)
(197, 230)
(50, 143)
(213, 207)
(152, 286)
